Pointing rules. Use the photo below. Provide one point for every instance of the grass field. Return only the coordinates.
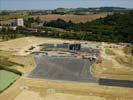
(6, 78)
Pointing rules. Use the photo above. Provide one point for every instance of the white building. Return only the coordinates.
(1, 27)
(20, 22)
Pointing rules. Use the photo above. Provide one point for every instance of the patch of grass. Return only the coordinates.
(126, 60)
(109, 52)
(7, 65)
(16, 63)
(5, 62)
(128, 50)
(6, 78)
(2, 67)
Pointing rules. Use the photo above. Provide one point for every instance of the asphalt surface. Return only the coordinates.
(71, 69)
(114, 82)
(63, 68)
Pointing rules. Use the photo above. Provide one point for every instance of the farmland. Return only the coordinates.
(6, 19)
(13, 16)
(73, 18)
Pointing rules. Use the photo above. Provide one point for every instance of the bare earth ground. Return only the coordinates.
(36, 89)
(116, 63)
(47, 90)
(73, 18)
(57, 96)
(18, 46)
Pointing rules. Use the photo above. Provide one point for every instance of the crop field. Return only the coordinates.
(7, 21)
(7, 78)
(13, 16)
(73, 18)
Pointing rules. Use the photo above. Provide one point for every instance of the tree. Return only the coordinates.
(38, 20)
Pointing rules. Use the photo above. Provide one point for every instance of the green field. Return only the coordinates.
(6, 78)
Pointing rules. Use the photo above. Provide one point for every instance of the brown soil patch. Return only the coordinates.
(73, 18)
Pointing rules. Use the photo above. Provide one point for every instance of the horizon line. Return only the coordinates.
(65, 8)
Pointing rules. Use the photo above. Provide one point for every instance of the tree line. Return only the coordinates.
(113, 28)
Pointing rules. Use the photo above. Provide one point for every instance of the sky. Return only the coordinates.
(52, 4)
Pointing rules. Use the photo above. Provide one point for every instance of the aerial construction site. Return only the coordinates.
(62, 69)
(66, 49)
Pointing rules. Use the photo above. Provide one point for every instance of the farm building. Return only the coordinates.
(12, 24)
